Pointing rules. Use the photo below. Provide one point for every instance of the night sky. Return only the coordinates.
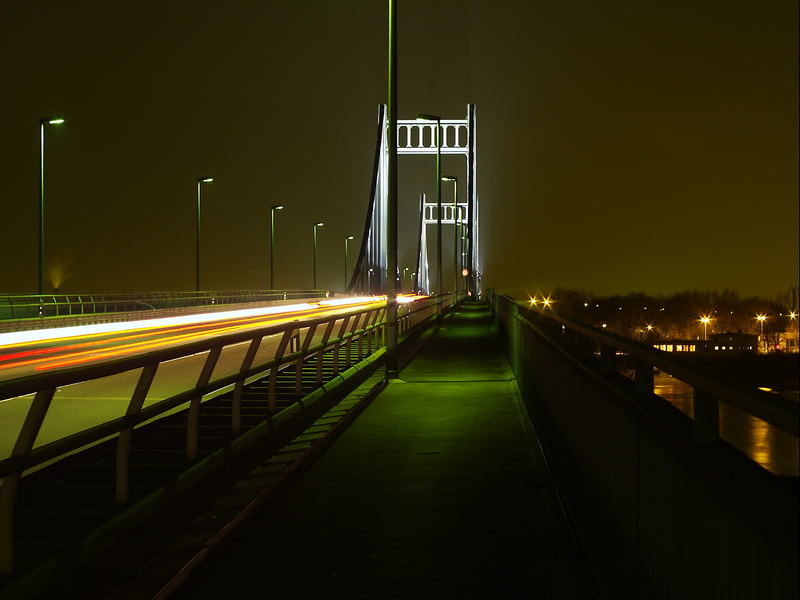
(642, 145)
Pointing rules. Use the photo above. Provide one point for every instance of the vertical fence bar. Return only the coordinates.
(8, 492)
(338, 345)
(193, 414)
(122, 471)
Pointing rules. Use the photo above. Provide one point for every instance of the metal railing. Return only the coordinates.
(664, 506)
(61, 305)
(587, 342)
(355, 332)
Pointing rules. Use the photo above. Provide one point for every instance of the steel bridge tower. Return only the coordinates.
(418, 137)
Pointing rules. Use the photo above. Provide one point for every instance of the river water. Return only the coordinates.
(775, 450)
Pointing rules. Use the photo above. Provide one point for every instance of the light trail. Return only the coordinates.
(191, 327)
(92, 355)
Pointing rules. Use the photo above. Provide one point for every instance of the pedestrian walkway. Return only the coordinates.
(437, 490)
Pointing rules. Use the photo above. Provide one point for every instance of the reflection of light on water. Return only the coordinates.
(773, 449)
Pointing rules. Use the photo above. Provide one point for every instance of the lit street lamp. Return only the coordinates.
(424, 117)
(705, 320)
(403, 283)
(200, 182)
(42, 123)
(272, 244)
(346, 241)
(369, 279)
(314, 231)
(761, 319)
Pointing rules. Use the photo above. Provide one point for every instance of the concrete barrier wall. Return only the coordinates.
(659, 516)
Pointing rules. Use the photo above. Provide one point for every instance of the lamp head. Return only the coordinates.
(449, 178)
(53, 120)
(319, 224)
(426, 117)
(277, 207)
(349, 237)
(205, 179)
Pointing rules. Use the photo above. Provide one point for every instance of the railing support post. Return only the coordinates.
(705, 427)
(272, 399)
(643, 379)
(193, 413)
(8, 492)
(122, 483)
(608, 359)
(236, 401)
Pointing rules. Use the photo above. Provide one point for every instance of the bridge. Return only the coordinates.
(445, 441)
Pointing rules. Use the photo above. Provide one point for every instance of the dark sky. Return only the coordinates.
(622, 146)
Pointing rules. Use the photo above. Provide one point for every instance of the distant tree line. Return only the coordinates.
(676, 316)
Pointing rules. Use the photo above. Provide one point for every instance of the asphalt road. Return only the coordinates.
(79, 406)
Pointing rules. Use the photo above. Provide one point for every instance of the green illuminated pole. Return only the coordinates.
(403, 283)
(454, 181)
(391, 213)
(272, 245)
(314, 236)
(346, 240)
(200, 182)
(42, 124)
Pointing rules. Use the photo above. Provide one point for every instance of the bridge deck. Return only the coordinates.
(436, 490)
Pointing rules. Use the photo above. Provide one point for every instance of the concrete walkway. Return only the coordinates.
(436, 491)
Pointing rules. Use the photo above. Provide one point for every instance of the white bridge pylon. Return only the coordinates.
(419, 137)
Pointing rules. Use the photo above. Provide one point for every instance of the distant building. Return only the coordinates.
(737, 341)
(728, 342)
(681, 345)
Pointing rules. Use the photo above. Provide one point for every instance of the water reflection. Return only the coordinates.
(772, 448)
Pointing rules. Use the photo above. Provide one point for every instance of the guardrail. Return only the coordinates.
(362, 327)
(665, 508)
(61, 305)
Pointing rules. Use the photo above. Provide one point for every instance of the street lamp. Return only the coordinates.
(200, 182)
(456, 224)
(761, 319)
(424, 117)
(272, 244)
(705, 320)
(42, 123)
(314, 230)
(346, 241)
(404, 276)
(369, 279)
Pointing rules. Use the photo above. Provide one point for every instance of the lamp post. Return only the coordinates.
(424, 117)
(42, 124)
(369, 279)
(314, 232)
(200, 182)
(705, 320)
(272, 244)
(346, 241)
(761, 319)
(402, 286)
(456, 224)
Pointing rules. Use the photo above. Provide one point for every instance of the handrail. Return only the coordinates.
(774, 409)
(29, 306)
